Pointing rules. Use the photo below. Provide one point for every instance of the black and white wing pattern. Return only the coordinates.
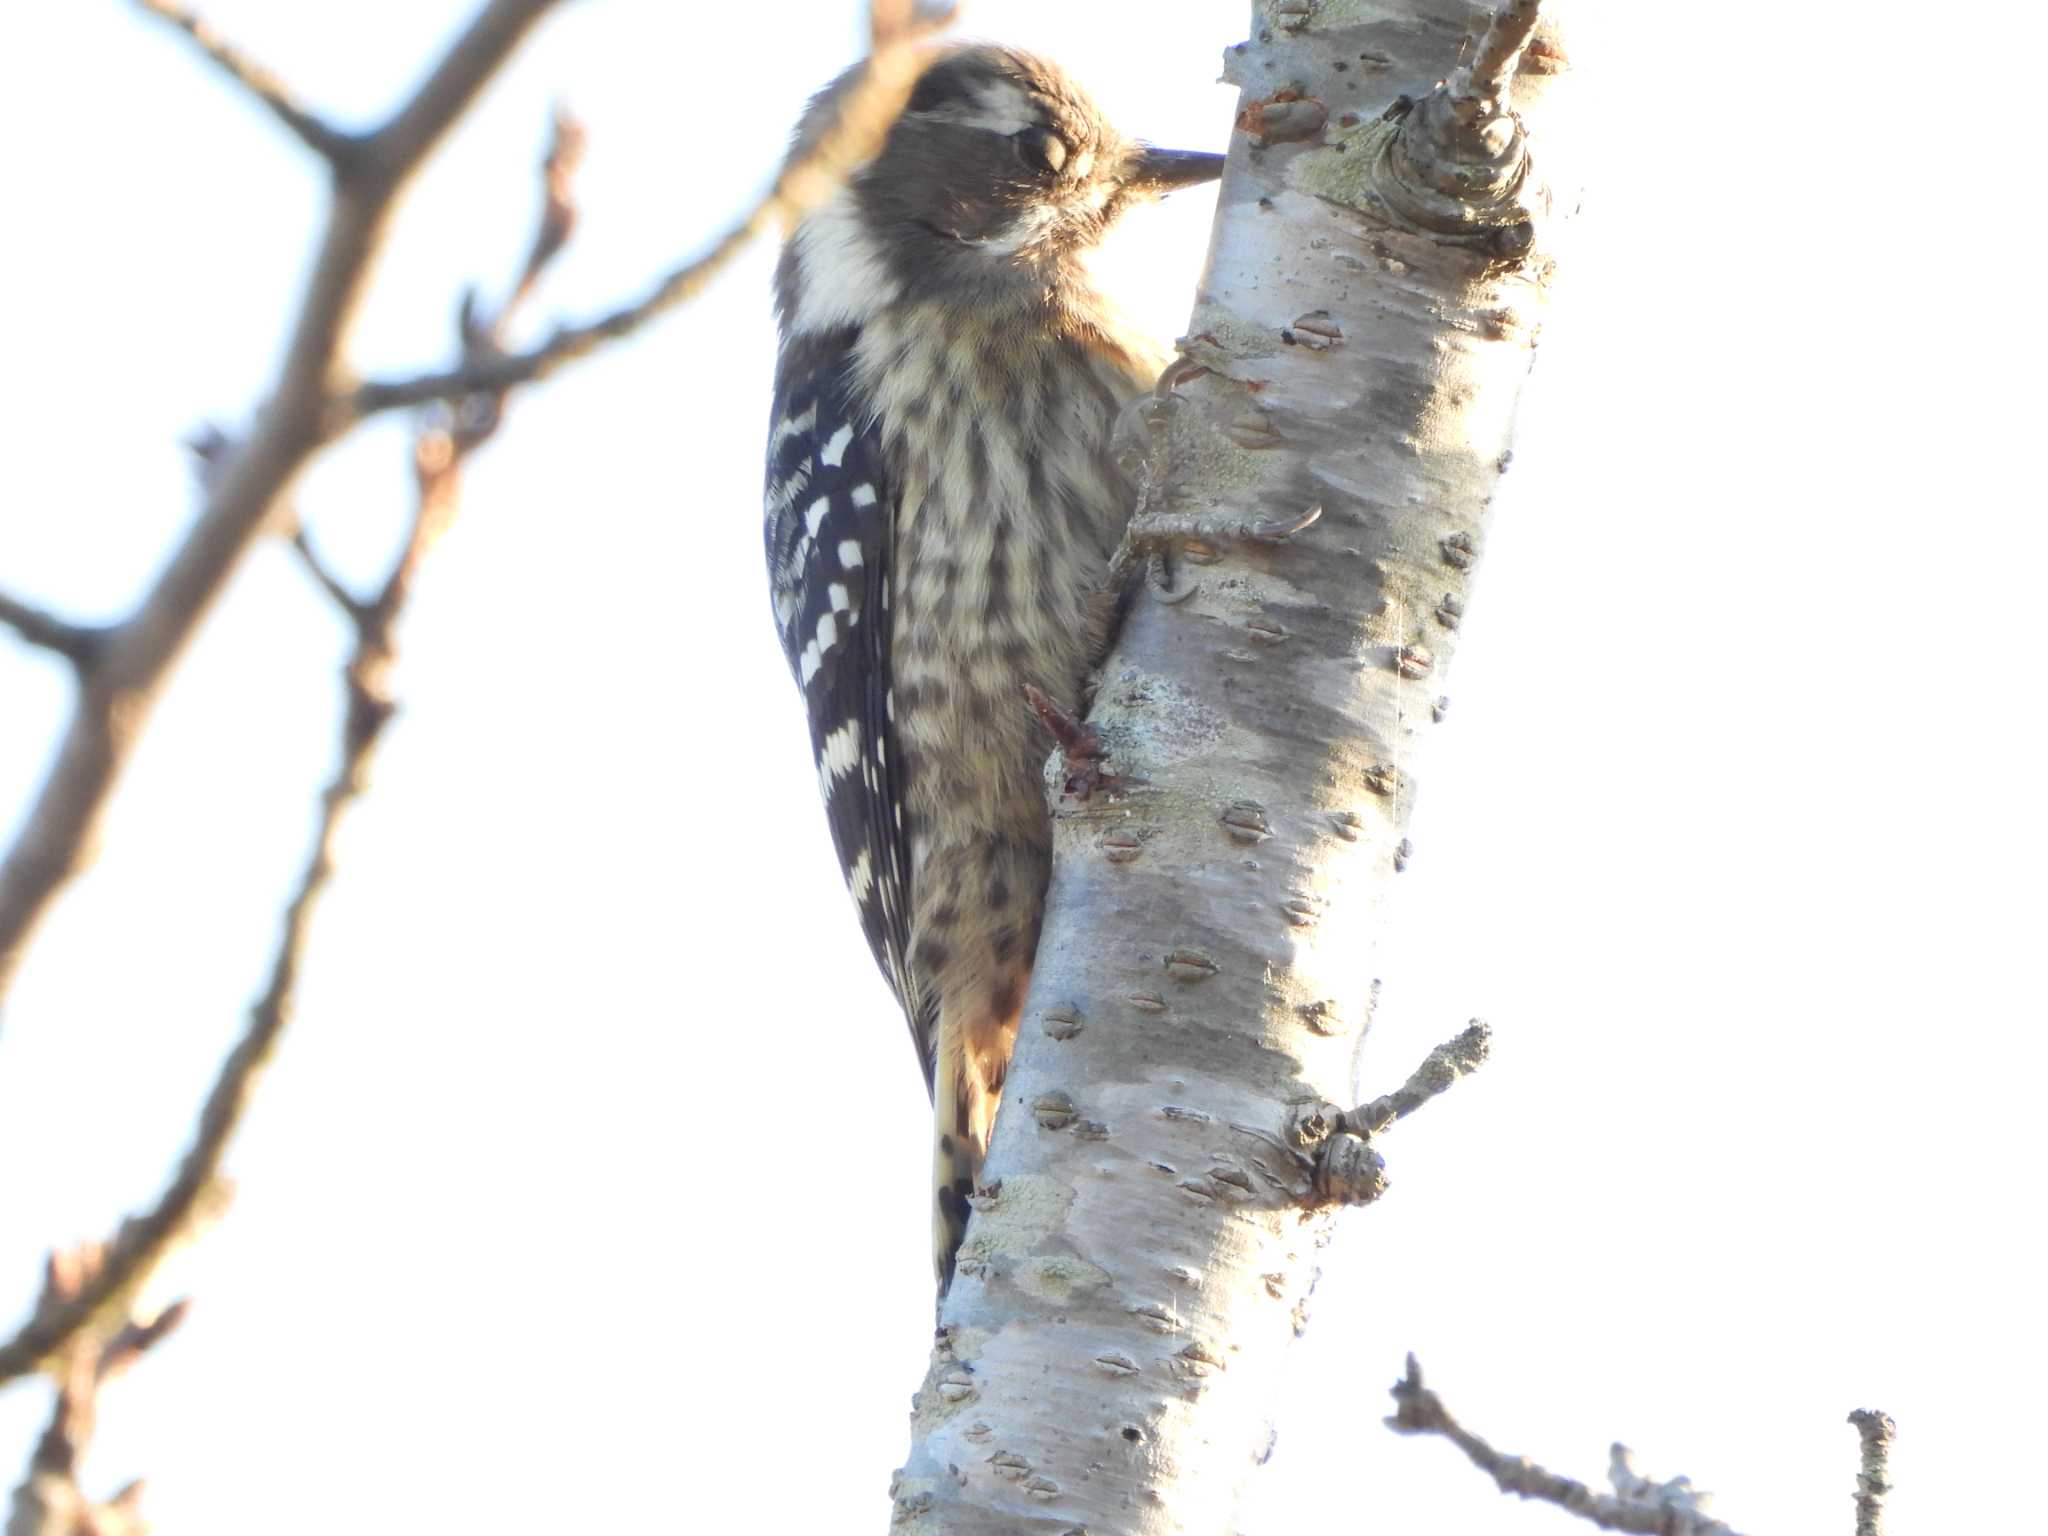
(830, 537)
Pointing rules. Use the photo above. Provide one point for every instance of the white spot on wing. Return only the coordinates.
(861, 878)
(863, 495)
(814, 514)
(828, 633)
(790, 426)
(841, 598)
(839, 756)
(834, 453)
(849, 554)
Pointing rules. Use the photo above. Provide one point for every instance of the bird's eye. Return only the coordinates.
(1043, 152)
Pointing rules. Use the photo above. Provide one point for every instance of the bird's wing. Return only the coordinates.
(830, 537)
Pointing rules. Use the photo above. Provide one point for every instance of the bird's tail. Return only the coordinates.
(963, 1115)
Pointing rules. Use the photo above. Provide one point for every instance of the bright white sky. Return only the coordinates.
(1734, 833)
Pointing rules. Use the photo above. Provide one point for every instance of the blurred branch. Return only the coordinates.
(871, 103)
(311, 403)
(50, 1500)
(322, 138)
(76, 643)
(294, 421)
(327, 581)
(243, 481)
(67, 1313)
(1673, 1508)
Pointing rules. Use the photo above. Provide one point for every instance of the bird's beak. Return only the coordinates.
(1160, 171)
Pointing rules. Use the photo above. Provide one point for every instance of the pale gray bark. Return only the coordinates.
(1163, 1170)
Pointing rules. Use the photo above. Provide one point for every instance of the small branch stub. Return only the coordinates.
(1350, 1172)
(76, 643)
(1455, 1058)
(1347, 1169)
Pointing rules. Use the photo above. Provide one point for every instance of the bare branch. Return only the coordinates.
(1654, 1509)
(558, 208)
(1873, 1479)
(321, 137)
(69, 1311)
(1455, 1058)
(294, 422)
(397, 148)
(243, 482)
(496, 375)
(1487, 75)
(50, 1501)
(327, 581)
(76, 643)
(867, 110)
(144, 1240)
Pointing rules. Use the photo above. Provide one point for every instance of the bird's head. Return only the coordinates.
(999, 172)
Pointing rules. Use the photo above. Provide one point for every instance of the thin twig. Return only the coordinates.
(76, 643)
(1873, 1477)
(1455, 1058)
(558, 214)
(317, 135)
(66, 1313)
(293, 423)
(870, 105)
(145, 1239)
(327, 581)
(1653, 1509)
(1487, 75)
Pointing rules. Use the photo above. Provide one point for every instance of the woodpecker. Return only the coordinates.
(941, 508)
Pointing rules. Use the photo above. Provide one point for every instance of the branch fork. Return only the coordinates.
(1671, 1508)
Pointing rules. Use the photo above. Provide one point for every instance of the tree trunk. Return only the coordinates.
(1163, 1169)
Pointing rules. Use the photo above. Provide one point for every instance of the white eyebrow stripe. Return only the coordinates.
(1005, 108)
(1000, 106)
